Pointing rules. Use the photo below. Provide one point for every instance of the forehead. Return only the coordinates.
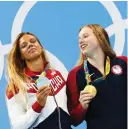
(26, 38)
(86, 30)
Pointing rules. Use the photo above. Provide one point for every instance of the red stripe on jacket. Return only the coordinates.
(75, 108)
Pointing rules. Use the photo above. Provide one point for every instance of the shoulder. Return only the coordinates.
(119, 65)
(75, 69)
(122, 58)
(73, 72)
(52, 71)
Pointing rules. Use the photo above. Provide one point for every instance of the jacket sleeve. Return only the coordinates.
(76, 111)
(20, 118)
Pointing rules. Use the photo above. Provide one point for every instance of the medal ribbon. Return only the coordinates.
(43, 74)
(87, 75)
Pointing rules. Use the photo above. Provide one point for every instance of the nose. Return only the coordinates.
(80, 41)
(30, 44)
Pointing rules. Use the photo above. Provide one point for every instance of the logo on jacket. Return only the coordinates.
(116, 69)
(57, 82)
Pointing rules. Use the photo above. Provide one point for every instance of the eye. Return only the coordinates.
(23, 45)
(85, 36)
(32, 40)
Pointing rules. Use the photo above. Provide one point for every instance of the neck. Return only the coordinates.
(36, 65)
(97, 60)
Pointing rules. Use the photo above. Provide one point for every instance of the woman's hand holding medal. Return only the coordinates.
(44, 89)
(42, 94)
(86, 95)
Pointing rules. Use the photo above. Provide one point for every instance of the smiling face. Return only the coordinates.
(30, 48)
(88, 42)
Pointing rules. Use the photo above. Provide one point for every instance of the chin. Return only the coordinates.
(84, 52)
(33, 57)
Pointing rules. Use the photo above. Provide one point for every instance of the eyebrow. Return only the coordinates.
(84, 34)
(32, 39)
(22, 43)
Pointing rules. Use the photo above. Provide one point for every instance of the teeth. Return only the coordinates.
(83, 46)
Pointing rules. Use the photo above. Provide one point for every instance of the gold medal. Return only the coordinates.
(91, 89)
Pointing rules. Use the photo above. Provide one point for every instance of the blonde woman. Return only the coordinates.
(97, 86)
(30, 106)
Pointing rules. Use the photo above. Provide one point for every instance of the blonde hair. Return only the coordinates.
(16, 66)
(103, 39)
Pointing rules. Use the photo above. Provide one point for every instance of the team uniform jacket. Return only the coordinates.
(108, 110)
(31, 115)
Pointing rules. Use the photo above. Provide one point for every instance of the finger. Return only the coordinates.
(83, 92)
(86, 95)
(86, 99)
(43, 88)
(41, 92)
(44, 93)
(86, 102)
(47, 93)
